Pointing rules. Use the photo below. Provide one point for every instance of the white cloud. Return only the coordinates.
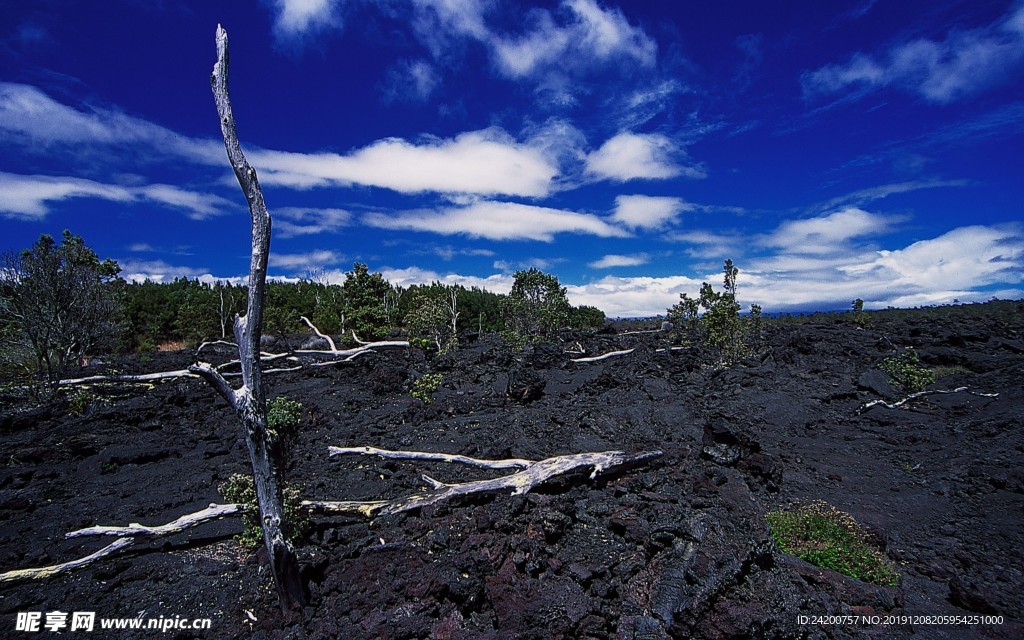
(593, 35)
(487, 162)
(290, 222)
(295, 18)
(498, 221)
(964, 258)
(29, 116)
(966, 264)
(308, 261)
(707, 244)
(30, 197)
(633, 155)
(497, 283)
(827, 234)
(198, 205)
(613, 260)
(506, 266)
(632, 297)
(159, 271)
(871, 194)
(940, 71)
(411, 81)
(648, 212)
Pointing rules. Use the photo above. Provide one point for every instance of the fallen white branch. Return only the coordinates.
(126, 537)
(529, 475)
(41, 573)
(317, 332)
(604, 356)
(187, 521)
(145, 377)
(518, 483)
(509, 463)
(919, 394)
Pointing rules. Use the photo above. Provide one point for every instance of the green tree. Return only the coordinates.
(62, 301)
(434, 313)
(536, 307)
(364, 296)
(720, 326)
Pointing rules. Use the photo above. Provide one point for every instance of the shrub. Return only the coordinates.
(79, 402)
(720, 326)
(283, 418)
(240, 488)
(860, 317)
(536, 307)
(905, 371)
(425, 386)
(826, 537)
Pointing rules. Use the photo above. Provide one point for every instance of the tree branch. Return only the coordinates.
(919, 394)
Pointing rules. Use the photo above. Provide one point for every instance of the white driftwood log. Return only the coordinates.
(919, 394)
(187, 521)
(41, 573)
(508, 463)
(126, 537)
(604, 356)
(517, 483)
(318, 333)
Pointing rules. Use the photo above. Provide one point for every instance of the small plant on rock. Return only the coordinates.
(905, 371)
(425, 387)
(79, 402)
(239, 488)
(827, 537)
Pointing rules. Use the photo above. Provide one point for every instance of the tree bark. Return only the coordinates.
(249, 401)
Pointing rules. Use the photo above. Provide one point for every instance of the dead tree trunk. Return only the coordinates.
(249, 401)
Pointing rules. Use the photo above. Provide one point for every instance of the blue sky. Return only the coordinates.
(832, 150)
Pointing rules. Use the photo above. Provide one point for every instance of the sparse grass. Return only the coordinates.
(171, 345)
(827, 537)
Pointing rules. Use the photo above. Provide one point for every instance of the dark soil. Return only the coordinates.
(677, 548)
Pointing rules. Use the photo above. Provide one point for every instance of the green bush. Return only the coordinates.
(860, 317)
(239, 488)
(720, 326)
(425, 386)
(283, 418)
(826, 537)
(905, 371)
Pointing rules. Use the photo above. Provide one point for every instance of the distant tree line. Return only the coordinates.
(59, 302)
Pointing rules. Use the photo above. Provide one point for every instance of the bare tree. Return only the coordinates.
(249, 401)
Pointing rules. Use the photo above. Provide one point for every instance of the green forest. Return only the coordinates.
(60, 303)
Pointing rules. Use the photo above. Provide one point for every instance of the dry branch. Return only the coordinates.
(914, 396)
(126, 537)
(604, 356)
(317, 332)
(509, 463)
(41, 573)
(187, 521)
(518, 483)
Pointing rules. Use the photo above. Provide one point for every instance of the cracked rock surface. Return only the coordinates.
(678, 548)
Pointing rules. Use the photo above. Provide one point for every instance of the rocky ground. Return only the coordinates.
(676, 548)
